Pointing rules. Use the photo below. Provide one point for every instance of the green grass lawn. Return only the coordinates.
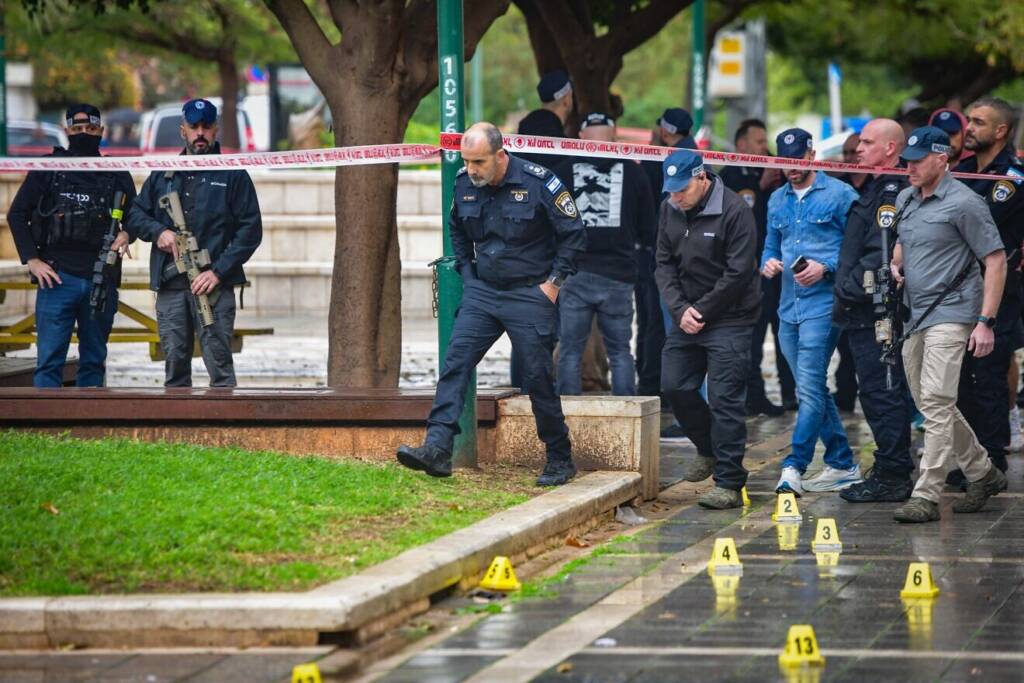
(115, 516)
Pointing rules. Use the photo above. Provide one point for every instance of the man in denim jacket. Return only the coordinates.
(806, 221)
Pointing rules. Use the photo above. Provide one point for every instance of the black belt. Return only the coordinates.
(513, 284)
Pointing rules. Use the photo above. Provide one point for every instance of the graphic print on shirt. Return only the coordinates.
(599, 194)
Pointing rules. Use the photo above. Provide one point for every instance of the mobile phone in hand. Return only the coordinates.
(799, 264)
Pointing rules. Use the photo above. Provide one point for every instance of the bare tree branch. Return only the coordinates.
(314, 50)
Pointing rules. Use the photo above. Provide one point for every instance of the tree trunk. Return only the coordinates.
(227, 69)
(365, 320)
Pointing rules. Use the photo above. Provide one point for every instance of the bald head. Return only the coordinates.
(881, 142)
(483, 137)
(482, 153)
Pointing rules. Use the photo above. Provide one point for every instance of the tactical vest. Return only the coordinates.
(75, 212)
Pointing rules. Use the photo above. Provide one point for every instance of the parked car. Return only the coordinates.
(33, 138)
(159, 130)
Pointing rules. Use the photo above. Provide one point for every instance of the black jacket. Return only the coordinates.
(221, 210)
(518, 232)
(614, 201)
(862, 250)
(707, 258)
(546, 123)
(42, 185)
(746, 182)
(1005, 199)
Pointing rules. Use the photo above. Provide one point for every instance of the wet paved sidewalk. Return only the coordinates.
(645, 609)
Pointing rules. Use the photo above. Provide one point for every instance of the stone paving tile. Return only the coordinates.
(160, 668)
(431, 668)
(68, 666)
(249, 668)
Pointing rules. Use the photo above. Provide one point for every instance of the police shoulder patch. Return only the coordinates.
(1002, 191)
(461, 171)
(886, 215)
(748, 196)
(536, 170)
(566, 205)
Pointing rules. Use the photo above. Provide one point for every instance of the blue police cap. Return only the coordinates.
(676, 121)
(924, 141)
(596, 118)
(554, 85)
(947, 121)
(679, 168)
(82, 108)
(793, 143)
(198, 110)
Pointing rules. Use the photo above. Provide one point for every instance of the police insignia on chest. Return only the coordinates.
(566, 205)
(748, 196)
(886, 215)
(469, 197)
(1002, 191)
(520, 196)
(891, 187)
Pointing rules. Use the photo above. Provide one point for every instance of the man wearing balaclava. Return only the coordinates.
(59, 220)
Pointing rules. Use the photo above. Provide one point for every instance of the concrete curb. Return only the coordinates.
(390, 590)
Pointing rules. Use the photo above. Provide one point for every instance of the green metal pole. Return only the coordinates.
(3, 81)
(451, 58)
(697, 75)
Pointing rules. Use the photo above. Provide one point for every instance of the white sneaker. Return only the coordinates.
(831, 479)
(790, 482)
(1016, 442)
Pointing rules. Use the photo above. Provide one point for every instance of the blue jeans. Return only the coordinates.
(583, 296)
(57, 311)
(808, 347)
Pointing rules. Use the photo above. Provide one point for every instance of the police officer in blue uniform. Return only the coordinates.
(983, 383)
(516, 235)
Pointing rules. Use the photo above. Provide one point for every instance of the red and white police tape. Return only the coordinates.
(628, 150)
(405, 153)
(309, 158)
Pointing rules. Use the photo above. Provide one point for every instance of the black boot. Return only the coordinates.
(434, 460)
(556, 473)
(879, 487)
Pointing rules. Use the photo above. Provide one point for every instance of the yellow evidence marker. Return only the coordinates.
(306, 673)
(724, 558)
(786, 509)
(919, 582)
(746, 498)
(826, 537)
(500, 576)
(801, 647)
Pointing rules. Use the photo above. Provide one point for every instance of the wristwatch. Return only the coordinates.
(556, 280)
(987, 321)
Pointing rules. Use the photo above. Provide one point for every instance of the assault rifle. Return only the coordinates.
(191, 259)
(885, 296)
(103, 269)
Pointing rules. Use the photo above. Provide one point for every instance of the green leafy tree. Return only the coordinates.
(222, 33)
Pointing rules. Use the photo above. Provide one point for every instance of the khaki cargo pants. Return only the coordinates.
(932, 359)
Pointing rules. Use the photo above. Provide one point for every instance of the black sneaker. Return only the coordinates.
(434, 460)
(879, 487)
(763, 406)
(556, 473)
